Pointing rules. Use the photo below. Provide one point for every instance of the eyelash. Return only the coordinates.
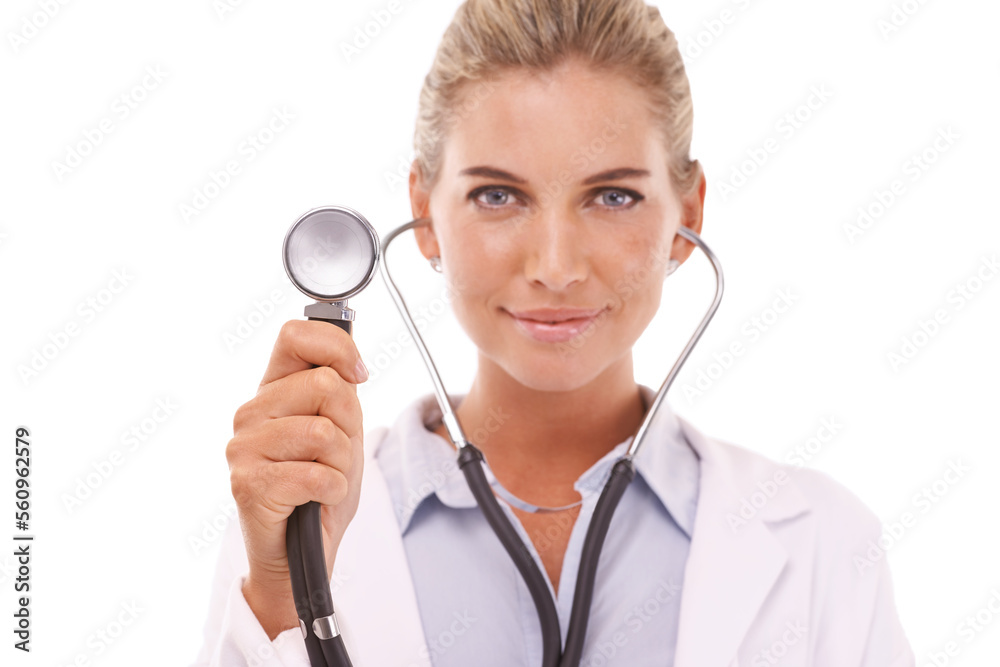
(474, 196)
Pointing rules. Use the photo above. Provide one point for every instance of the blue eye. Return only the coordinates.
(620, 193)
(492, 199)
(498, 197)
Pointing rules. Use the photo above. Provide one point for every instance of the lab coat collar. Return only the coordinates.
(427, 464)
(735, 558)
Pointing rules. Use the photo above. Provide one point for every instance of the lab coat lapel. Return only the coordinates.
(729, 573)
(728, 577)
(389, 631)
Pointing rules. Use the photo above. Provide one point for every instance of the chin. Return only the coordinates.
(556, 371)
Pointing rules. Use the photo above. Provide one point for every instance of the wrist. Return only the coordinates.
(273, 605)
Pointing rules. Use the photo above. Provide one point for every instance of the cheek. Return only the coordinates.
(476, 273)
(638, 253)
(637, 297)
(636, 279)
(647, 303)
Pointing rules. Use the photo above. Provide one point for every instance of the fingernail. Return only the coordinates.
(360, 372)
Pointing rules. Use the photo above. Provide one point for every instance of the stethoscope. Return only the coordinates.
(330, 254)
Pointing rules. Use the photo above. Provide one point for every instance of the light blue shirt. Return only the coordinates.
(475, 607)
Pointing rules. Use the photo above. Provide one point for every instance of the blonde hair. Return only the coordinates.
(487, 37)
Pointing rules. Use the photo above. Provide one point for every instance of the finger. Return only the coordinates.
(301, 438)
(285, 485)
(302, 344)
(315, 391)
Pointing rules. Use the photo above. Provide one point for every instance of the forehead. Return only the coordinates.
(572, 118)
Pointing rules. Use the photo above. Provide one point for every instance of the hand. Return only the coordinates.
(299, 439)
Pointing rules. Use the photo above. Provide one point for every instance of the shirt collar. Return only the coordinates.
(422, 464)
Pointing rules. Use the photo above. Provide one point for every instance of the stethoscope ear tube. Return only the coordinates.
(297, 548)
(470, 460)
(621, 476)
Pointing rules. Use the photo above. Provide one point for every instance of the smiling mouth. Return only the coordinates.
(555, 315)
(555, 326)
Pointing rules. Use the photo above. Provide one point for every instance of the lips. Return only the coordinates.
(555, 314)
(555, 325)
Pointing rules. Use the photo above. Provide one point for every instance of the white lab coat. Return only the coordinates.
(783, 569)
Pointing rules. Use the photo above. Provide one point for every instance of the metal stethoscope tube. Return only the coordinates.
(313, 590)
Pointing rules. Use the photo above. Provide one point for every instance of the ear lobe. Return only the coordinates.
(427, 240)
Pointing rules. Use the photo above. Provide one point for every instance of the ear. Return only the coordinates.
(420, 199)
(692, 212)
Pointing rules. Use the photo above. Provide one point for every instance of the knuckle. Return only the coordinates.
(239, 483)
(322, 430)
(337, 486)
(262, 482)
(244, 500)
(326, 484)
(357, 414)
(290, 331)
(314, 478)
(344, 458)
(232, 450)
(349, 413)
(322, 380)
(241, 416)
(291, 337)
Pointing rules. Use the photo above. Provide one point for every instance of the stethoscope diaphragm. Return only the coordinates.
(331, 253)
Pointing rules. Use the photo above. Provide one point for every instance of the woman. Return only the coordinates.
(552, 161)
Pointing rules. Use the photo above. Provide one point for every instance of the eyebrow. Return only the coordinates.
(609, 175)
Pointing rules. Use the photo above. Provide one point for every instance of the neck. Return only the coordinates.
(538, 443)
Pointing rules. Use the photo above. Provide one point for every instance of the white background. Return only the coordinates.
(191, 283)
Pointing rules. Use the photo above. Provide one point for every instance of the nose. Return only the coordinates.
(556, 250)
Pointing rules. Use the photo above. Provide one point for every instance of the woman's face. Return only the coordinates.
(554, 193)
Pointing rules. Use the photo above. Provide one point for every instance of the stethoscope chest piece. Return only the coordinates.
(331, 253)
